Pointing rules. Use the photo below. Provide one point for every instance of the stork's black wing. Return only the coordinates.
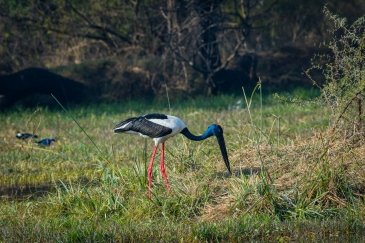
(119, 127)
(155, 116)
(144, 126)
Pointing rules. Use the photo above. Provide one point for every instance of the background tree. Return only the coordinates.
(186, 45)
(207, 36)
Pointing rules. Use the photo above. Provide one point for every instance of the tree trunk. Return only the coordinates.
(208, 52)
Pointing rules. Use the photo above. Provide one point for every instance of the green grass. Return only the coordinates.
(290, 182)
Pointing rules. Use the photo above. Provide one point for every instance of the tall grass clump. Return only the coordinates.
(320, 177)
(334, 182)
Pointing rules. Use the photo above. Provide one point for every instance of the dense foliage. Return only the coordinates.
(185, 44)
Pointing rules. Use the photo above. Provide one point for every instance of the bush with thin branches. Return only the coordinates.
(344, 72)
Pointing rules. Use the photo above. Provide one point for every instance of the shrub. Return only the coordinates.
(344, 72)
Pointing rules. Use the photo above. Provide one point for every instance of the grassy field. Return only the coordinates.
(293, 179)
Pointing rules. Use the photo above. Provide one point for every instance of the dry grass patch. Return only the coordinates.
(317, 173)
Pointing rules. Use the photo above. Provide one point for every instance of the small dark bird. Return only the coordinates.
(25, 135)
(160, 127)
(46, 141)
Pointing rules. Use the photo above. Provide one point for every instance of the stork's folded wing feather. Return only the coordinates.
(143, 126)
(123, 125)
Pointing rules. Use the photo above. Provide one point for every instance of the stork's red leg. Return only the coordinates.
(162, 167)
(149, 170)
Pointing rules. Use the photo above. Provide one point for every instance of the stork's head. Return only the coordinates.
(217, 131)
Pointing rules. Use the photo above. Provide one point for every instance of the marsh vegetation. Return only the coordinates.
(291, 180)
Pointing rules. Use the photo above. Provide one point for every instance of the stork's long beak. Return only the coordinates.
(222, 146)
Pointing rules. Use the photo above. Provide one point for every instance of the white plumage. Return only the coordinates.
(172, 122)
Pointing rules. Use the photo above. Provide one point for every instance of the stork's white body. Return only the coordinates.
(172, 122)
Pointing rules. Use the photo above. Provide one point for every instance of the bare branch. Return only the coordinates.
(93, 25)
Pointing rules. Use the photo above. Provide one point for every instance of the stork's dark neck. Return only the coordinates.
(193, 137)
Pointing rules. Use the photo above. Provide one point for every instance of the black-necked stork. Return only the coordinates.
(160, 127)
